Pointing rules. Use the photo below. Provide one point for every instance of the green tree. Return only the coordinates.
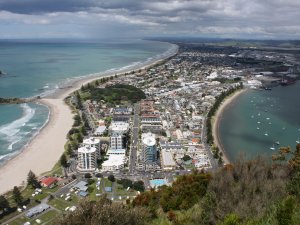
(231, 219)
(138, 186)
(4, 204)
(63, 160)
(32, 180)
(186, 158)
(69, 149)
(17, 196)
(105, 212)
(285, 211)
(111, 178)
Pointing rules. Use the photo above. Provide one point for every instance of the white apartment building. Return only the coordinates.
(93, 143)
(87, 159)
(116, 141)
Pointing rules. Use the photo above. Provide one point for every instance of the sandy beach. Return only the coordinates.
(217, 119)
(45, 149)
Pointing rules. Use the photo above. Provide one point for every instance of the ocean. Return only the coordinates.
(257, 119)
(39, 68)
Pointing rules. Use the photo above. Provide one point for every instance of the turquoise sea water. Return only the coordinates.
(39, 68)
(257, 119)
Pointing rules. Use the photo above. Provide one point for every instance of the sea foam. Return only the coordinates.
(14, 127)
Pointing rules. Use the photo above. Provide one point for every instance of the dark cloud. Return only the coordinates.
(44, 6)
(230, 18)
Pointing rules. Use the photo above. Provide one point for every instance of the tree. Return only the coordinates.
(105, 212)
(69, 149)
(186, 158)
(4, 204)
(138, 186)
(63, 160)
(32, 180)
(17, 196)
(111, 178)
(87, 175)
(285, 211)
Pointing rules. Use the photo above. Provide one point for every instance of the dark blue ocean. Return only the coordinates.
(39, 68)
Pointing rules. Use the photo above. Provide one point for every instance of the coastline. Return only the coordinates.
(44, 149)
(216, 123)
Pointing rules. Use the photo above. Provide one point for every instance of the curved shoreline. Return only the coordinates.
(44, 149)
(217, 119)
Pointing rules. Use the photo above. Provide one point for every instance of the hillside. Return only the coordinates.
(246, 193)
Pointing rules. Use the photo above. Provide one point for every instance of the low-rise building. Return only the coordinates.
(114, 162)
(167, 161)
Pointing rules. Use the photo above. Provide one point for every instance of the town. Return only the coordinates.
(142, 129)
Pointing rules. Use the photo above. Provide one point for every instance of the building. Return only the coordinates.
(114, 162)
(167, 161)
(93, 143)
(81, 186)
(119, 127)
(118, 138)
(87, 159)
(48, 182)
(117, 141)
(37, 210)
(149, 147)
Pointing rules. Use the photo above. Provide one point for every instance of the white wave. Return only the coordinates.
(3, 156)
(12, 144)
(13, 128)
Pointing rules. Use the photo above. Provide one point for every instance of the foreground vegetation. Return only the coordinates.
(250, 192)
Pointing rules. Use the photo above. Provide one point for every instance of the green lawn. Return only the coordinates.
(45, 217)
(107, 183)
(59, 203)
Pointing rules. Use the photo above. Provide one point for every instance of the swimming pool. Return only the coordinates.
(157, 182)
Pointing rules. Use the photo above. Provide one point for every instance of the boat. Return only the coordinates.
(277, 142)
(272, 148)
(266, 134)
(257, 128)
(298, 141)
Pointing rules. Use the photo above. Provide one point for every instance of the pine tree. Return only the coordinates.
(4, 204)
(32, 180)
(63, 160)
(17, 196)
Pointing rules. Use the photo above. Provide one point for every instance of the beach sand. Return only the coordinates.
(216, 122)
(45, 149)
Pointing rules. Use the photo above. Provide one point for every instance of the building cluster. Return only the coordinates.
(180, 92)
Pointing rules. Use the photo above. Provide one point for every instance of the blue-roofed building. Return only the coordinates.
(83, 193)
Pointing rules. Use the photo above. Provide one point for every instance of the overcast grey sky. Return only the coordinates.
(272, 19)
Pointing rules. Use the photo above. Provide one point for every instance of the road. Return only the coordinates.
(134, 139)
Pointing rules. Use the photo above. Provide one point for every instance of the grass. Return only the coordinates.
(107, 183)
(45, 217)
(59, 204)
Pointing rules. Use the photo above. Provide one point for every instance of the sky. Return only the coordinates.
(106, 19)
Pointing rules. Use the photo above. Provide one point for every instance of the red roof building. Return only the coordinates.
(48, 181)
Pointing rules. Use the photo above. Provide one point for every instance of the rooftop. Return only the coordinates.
(119, 126)
(148, 139)
(91, 140)
(87, 149)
